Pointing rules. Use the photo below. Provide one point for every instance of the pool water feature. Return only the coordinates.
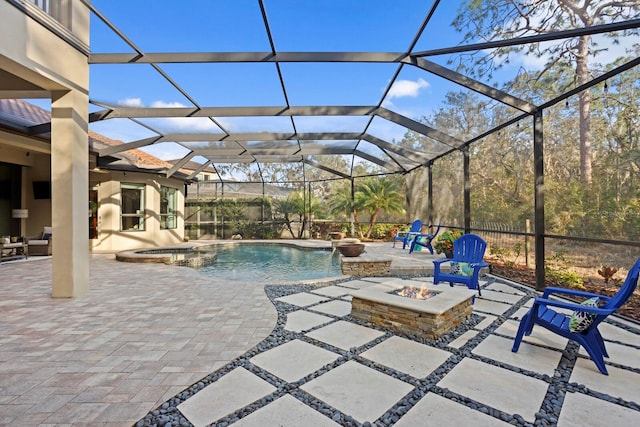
(272, 263)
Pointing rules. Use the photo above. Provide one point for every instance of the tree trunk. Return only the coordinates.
(356, 220)
(582, 74)
(372, 221)
(303, 224)
(288, 221)
(416, 201)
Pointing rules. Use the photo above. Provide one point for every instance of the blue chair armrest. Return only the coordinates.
(440, 261)
(424, 235)
(570, 306)
(554, 290)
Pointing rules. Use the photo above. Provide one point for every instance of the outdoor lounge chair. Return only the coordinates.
(468, 252)
(423, 240)
(406, 236)
(582, 325)
(41, 244)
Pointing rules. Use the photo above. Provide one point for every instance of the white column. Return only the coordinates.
(70, 193)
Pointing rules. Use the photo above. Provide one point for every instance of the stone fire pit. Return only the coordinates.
(443, 308)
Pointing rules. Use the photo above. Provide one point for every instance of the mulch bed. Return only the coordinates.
(527, 276)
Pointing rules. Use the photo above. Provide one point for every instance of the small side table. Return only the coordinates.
(13, 250)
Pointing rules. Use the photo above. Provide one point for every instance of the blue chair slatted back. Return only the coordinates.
(406, 236)
(626, 290)
(469, 248)
(416, 226)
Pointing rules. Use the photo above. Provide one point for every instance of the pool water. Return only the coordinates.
(272, 263)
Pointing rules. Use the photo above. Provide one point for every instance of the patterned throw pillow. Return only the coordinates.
(461, 268)
(580, 320)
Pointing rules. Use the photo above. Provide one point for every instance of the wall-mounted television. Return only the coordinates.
(41, 189)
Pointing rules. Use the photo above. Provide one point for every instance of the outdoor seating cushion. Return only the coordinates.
(38, 242)
(46, 233)
(12, 245)
(580, 320)
(462, 268)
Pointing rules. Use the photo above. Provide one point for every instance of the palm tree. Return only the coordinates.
(295, 205)
(339, 203)
(286, 207)
(379, 194)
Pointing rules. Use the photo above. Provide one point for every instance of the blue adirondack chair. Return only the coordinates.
(468, 252)
(406, 236)
(424, 240)
(559, 323)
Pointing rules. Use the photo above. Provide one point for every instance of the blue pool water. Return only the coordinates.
(272, 263)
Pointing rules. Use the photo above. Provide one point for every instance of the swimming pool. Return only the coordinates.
(272, 263)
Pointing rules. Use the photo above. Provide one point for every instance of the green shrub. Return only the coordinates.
(381, 231)
(564, 277)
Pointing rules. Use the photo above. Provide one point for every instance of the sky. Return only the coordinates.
(296, 26)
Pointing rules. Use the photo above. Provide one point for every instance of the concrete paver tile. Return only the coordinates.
(286, 411)
(335, 308)
(619, 383)
(500, 388)
(529, 357)
(302, 320)
(539, 335)
(332, 291)
(620, 354)
(302, 299)
(517, 315)
(357, 390)
(359, 284)
(612, 332)
(580, 410)
(435, 410)
(501, 296)
(504, 288)
(345, 335)
(488, 320)
(463, 339)
(231, 392)
(407, 356)
(491, 307)
(294, 360)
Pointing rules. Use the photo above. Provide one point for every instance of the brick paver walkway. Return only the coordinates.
(144, 333)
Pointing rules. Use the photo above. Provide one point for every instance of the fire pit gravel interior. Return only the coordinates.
(414, 292)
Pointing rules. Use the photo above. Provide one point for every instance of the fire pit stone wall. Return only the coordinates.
(365, 266)
(424, 318)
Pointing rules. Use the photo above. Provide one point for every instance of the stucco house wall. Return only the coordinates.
(111, 237)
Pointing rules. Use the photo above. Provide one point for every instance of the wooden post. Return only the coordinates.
(527, 229)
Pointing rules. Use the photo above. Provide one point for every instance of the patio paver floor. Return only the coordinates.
(140, 338)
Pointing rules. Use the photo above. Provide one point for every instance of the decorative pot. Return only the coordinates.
(448, 254)
(336, 235)
(351, 250)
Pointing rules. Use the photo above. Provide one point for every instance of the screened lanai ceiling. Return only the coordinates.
(261, 82)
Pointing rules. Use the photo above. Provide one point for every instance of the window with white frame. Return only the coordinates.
(132, 207)
(168, 207)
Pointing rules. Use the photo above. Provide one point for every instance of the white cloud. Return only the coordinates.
(609, 50)
(173, 124)
(162, 104)
(166, 151)
(131, 102)
(404, 88)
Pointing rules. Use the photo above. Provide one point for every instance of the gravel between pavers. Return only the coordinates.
(168, 415)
